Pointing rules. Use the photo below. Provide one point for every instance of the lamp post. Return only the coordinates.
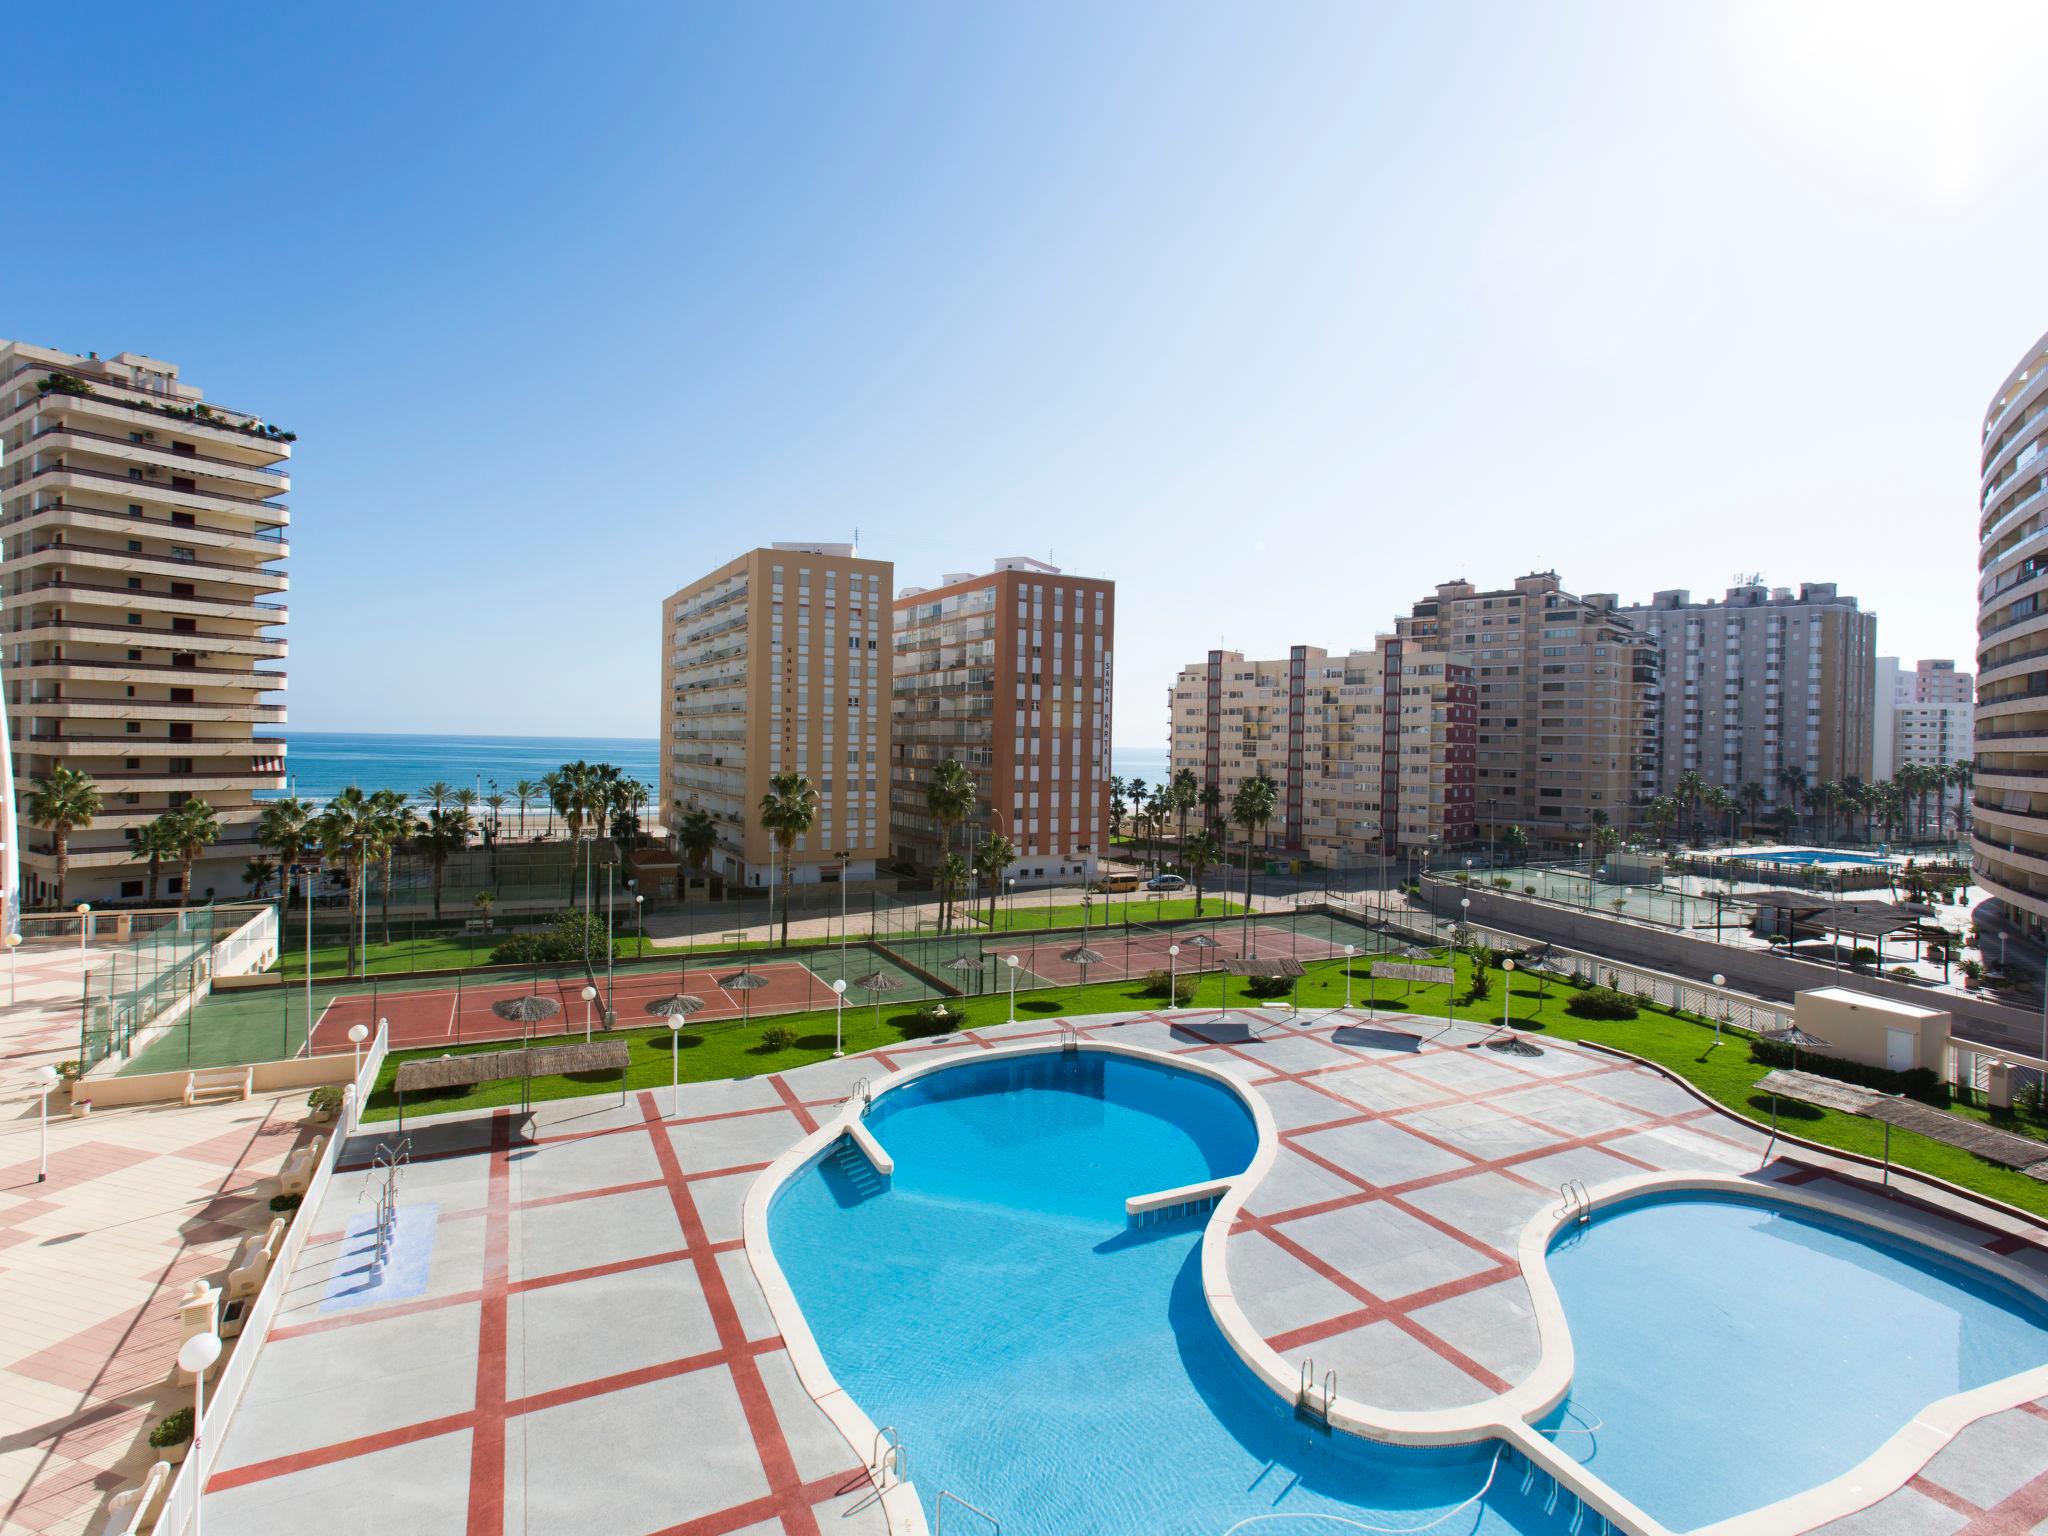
(1173, 976)
(85, 912)
(1349, 951)
(13, 943)
(1011, 962)
(589, 997)
(197, 1355)
(357, 1034)
(1720, 981)
(45, 1078)
(845, 855)
(838, 1016)
(1507, 997)
(639, 925)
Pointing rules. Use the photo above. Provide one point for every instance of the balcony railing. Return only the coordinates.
(163, 448)
(165, 489)
(261, 573)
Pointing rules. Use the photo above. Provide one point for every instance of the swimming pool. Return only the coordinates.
(1731, 1351)
(1044, 1360)
(1808, 856)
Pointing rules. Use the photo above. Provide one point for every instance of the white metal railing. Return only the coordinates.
(947, 1496)
(250, 947)
(889, 1460)
(1574, 1204)
(181, 1503)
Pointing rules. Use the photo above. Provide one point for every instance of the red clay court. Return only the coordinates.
(459, 1015)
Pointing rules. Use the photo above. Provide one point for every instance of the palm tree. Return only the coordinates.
(195, 824)
(1251, 808)
(1186, 794)
(65, 802)
(1157, 809)
(395, 822)
(551, 796)
(1212, 809)
(286, 828)
(1792, 779)
(787, 812)
(153, 843)
(445, 834)
(1962, 773)
(949, 797)
(696, 836)
(1692, 786)
(1826, 797)
(437, 795)
(951, 878)
(1135, 788)
(1721, 803)
(483, 902)
(1515, 842)
(1752, 797)
(347, 830)
(524, 792)
(992, 856)
(257, 875)
(1197, 854)
(1658, 816)
(1117, 790)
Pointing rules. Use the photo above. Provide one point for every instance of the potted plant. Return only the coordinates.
(1973, 974)
(325, 1102)
(172, 1436)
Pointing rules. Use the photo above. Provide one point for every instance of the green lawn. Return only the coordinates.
(1680, 1043)
(1103, 912)
(441, 952)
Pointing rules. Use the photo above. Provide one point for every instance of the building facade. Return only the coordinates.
(2009, 812)
(1568, 704)
(779, 662)
(141, 548)
(1372, 751)
(1925, 718)
(1013, 674)
(1763, 680)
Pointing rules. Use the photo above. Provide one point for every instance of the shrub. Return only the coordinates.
(324, 1100)
(1528, 890)
(1918, 1083)
(1905, 973)
(1267, 986)
(570, 936)
(1862, 955)
(68, 1071)
(1502, 882)
(283, 1203)
(1602, 1003)
(171, 1429)
(1160, 983)
(1482, 980)
(778, 1037)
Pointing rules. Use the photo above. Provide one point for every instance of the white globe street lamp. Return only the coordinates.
(357, 1034)
(1720, 981)
(1011, 962)
(13, 943)
(589, 997)
(1507, 1004)
(45, 1078)
(1173, 976)
(197, 1355)
(1349, 951)
(675, 1066)
(839, 1016)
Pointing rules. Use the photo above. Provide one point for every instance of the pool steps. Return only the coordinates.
(1173, 1204)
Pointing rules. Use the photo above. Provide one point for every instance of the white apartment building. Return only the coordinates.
(1372, 750)
(1926, 717)
(141, 538)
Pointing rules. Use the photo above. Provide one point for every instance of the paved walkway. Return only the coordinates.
(569, 1338)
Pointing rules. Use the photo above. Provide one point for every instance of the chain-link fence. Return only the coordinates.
(153, 964)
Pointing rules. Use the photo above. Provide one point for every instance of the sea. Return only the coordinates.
(320, 764)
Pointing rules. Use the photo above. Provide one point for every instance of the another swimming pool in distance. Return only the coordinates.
(1735, 1351)
(1809, 856)
(1050, 1364)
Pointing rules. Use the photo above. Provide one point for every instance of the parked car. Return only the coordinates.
(1166, 883)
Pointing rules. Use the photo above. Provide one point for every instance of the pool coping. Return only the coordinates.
(1507, 1417)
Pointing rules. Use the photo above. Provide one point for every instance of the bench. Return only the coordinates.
(252, 1260)
(297, 1172)
(129, 1512)
(240, 1082)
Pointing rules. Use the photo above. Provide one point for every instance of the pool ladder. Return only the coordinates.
(1070, 1040)
(948, 1496)
(388, 1159)
(890, 1461)
(864, 1091)
(1310, 1406)
(1575, 1205)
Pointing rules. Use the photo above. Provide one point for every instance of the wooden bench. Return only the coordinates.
(252, 1260)
(239, 1082)
(130, 1512)
(297, 1172)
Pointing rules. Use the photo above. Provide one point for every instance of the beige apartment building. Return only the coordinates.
(1373, 751)
(1764, 680)
(141, 541)
(779, 662)
(1568, 704)
(1925, 718)
(2009, 810)
(1011, 672)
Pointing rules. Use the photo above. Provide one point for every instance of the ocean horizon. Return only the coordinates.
(320, 764)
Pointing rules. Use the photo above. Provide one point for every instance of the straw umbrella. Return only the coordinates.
(1082, 956)
(744, 983)
(1202, 942)
(876, 983)
(965, 965)
(1512, 1044)
(526, 1012)
(675, 1008)
(1793, 1036)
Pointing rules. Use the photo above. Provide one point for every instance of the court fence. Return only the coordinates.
(156, 965)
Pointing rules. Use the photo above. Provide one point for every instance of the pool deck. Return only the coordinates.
(569, 1338)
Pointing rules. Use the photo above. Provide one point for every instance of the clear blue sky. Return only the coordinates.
(1277, 315)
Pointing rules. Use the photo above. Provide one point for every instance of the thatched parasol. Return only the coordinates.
(1084, 957)
(680, 1005)
(965, 965)
(744, 983)
(1793, 1036)
(1512, 1044)
(876, 983)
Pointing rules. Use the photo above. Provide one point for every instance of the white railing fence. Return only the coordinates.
(225, 1391)
(250, 948)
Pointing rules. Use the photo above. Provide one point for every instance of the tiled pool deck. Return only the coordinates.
(570, 1340)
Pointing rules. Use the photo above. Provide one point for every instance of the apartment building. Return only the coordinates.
(1568, 701)
(141, 548)
(2009, 812)
(1373, 751)
(779, 662)
(1926, 717)
(1013, 674)
(1763, 680)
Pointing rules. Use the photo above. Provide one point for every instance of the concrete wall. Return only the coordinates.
(169, 1087)
(1756, 971)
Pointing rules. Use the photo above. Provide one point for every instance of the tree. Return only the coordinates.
(1251, 808)
(696, 836)
(1212, 809)
(1962, 773)
(195, 824)
(1604, 839)
(1185, 794)
(483, 901)
(437, 795)
(1692, 786)
(286, 828)
(1136, 788)
(1751, 797)
(257, 875)
(153, 843)
(551, 797)
(394, 822)
(1516, 843)
(949, 798)
(786, 813)
(347, 830)
(1117, 790)
(1659, 815)
(445, 834)
(524, 793)
(951, 879)
(994, 855)
(1197, 854)
(1792, 779)
(1721, 803)
(64, 802)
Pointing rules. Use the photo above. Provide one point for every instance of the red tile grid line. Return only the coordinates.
(789, 1499)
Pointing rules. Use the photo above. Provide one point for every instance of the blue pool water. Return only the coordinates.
(1055, 1367)
(1814, 856)
(1732, 1352)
